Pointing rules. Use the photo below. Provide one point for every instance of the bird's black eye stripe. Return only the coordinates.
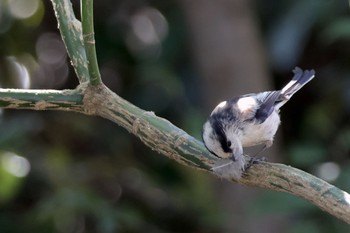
(221, 136)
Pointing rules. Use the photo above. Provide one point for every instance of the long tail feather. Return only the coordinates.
(300, 78)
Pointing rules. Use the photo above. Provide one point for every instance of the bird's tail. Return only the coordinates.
(300, 78)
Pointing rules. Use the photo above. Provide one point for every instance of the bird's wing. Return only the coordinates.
(267, 106)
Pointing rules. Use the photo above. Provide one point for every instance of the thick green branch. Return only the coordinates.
(66, 100)
(283, 178)
(165, 138)
(157, 133)
(162, 136)
(71, 32)
(87, 17)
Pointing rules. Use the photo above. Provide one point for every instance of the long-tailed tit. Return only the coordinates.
(248, 120)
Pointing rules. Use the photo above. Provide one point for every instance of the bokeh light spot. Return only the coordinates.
(18, 72)
(15, 164)
(23, 9)
(50, 49)
(328, 171)
(53, 68)
(148, 27)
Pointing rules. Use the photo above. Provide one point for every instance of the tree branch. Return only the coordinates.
(87, 17)
(71, 33)
(162, 136)
(66, 100)
(283, 178)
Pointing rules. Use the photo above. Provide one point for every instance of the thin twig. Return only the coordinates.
(87, 18)
(71, 33)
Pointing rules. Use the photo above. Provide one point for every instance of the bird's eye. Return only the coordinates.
(228, 143)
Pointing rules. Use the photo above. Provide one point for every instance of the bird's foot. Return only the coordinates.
(254, 160)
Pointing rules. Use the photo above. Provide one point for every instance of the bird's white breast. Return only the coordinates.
(255, 134)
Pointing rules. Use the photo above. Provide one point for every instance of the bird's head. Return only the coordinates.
(217, 136)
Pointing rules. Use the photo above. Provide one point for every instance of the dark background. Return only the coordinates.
(65, 172)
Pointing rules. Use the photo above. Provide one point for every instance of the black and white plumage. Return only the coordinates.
(249, 120)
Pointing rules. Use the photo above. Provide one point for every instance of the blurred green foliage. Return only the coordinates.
(88, 175)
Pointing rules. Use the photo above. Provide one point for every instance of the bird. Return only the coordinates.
(249, 120)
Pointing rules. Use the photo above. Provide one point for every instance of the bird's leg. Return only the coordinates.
(267, 144)
(256, 159)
